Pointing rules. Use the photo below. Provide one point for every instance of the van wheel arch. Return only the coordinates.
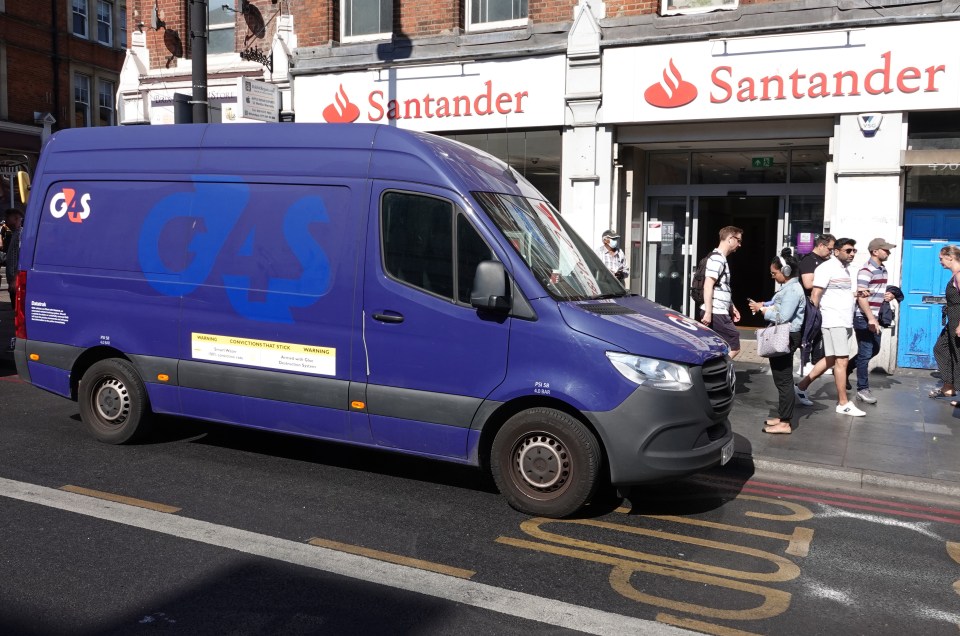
(86, 360)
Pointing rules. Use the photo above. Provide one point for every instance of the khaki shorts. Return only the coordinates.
(836, 341)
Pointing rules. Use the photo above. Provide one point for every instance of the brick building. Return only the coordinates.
(59, 68)
(664, 120)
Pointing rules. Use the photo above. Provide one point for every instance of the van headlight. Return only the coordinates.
(657, 374)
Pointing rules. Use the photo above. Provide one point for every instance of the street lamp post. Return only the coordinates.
(198, 52)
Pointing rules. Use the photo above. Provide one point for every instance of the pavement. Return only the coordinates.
(907, 442)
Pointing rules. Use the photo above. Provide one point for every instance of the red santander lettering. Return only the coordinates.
(486, 102)
(881, 80)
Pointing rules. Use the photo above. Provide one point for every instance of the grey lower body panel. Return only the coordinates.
(661, 435)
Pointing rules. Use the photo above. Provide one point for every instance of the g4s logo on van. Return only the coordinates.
(67, 202)
(217, 243)
(683, 321)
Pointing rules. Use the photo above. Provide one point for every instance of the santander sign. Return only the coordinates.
(887, 76)
(482, 101)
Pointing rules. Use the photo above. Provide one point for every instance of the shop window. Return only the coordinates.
(495, 14)
(106, 103)
(806, 218)
(80, 13)
(681, 7)
(81, 100)
(366, 20)
(755, 166)
(221, 28)
(669, 168)
(533, 153)
(105, 22)
(808, 165)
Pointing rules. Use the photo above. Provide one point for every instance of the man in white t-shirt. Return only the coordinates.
(719, 312)
(835, 293)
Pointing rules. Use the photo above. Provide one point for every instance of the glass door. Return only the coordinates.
(667, 265)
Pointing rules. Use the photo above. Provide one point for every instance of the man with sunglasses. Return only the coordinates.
(834, 293)
(718, 311)
(871, 292)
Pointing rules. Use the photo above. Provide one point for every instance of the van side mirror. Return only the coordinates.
(490, 287)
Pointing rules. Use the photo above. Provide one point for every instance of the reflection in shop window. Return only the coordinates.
(533, 153)
(669, 168)
(750, 166)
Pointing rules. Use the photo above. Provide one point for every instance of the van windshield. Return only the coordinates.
(566, 267)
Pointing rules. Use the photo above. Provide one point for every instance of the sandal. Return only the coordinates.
(775, 430)
(940, 393)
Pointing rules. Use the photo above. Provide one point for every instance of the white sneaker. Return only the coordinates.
(807, 368)
(849, 409)
(802, 396)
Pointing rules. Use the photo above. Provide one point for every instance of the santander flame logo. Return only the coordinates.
(672, 92)
(343, 111)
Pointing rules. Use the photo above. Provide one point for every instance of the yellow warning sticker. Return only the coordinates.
(283, 356)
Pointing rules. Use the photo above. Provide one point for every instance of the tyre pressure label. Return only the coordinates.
(283, 356)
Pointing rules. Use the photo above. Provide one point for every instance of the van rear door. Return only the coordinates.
(431, 357)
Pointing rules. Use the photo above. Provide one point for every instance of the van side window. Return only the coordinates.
(470, 251)
(417, 235)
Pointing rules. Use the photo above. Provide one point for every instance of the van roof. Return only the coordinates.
(278, 150)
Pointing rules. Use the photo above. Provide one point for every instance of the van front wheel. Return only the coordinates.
(113, 402)
(545, 463)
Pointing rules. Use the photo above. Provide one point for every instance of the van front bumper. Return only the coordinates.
(657, 435)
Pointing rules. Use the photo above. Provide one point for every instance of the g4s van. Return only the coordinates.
(355, 283)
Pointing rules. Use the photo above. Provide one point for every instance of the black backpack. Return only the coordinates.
(699, 276)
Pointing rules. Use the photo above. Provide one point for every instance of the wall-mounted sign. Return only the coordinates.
(258, 100)
(890, 68)
(761, 162)
(468, 95)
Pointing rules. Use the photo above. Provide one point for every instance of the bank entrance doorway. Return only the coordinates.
(681, 230)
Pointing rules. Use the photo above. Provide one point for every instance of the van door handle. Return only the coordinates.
(388, 317)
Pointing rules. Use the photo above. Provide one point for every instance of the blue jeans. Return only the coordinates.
(868, 347)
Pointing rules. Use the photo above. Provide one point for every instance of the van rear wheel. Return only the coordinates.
(546, 463)
(113, 402)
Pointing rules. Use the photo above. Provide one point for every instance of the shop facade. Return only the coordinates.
(785, 136)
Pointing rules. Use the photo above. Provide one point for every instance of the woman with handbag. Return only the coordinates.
(785, 311)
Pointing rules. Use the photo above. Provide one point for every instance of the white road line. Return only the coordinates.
(525, 606)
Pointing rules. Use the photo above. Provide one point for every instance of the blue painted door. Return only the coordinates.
(925, 232)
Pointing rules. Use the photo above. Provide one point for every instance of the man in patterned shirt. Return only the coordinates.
(612, 255)
(719, 312)
(871, 292)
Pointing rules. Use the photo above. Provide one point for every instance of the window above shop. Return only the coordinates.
(101, 21)
(686, 7)
(800, 165)
(362, 20)
(486, 15)
(221, 28)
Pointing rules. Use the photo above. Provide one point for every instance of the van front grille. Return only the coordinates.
(720, 382)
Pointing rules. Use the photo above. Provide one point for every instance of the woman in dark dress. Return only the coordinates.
(946, 351)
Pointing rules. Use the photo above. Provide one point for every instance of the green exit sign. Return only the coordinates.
(762, 162)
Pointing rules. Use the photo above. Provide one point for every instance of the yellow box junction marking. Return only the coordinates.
(267, 354)
(393, 558)
(625, 562)
(140, 503)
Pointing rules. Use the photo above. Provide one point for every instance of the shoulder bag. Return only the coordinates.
(774, 340)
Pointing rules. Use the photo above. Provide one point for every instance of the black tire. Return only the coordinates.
(113, 402)
(546, 463)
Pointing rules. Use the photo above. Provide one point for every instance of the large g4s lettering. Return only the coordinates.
(214, 210)
(67, 201)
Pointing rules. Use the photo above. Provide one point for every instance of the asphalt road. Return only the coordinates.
(224, 530)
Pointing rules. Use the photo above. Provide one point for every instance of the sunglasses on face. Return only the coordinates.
(849, 250)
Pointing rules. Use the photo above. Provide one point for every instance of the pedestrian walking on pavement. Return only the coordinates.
(612, 255)
(871, 292)
(787, 306)
(13, 219)
(834, 293)
(718, 311)
(821, 253)
(946, 350)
